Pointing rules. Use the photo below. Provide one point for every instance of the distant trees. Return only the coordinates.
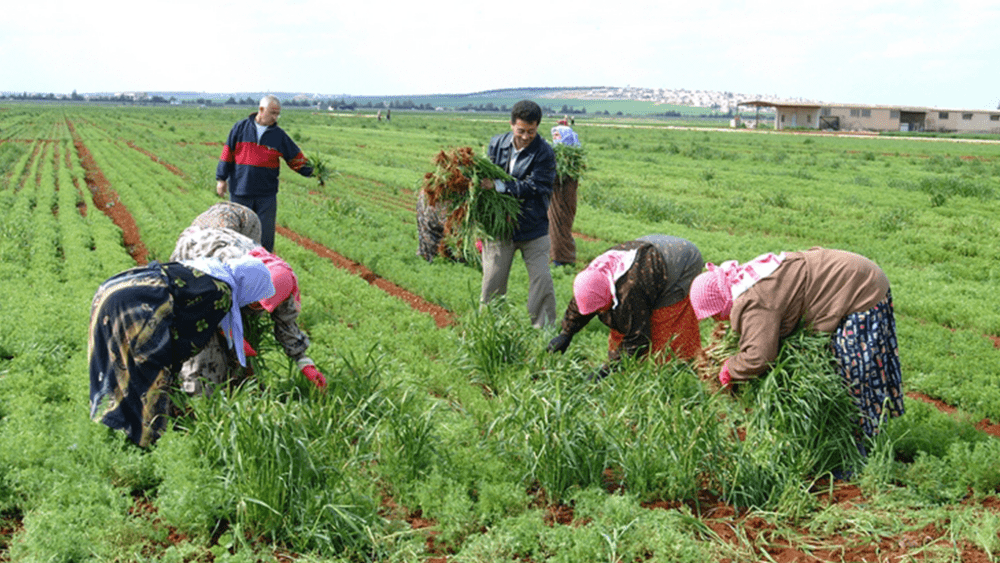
(131, 98)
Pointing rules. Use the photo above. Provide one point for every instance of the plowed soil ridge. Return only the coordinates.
(106, 199)
(173, 169)
(442, 317)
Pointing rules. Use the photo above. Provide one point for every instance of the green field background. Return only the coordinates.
(411, 415)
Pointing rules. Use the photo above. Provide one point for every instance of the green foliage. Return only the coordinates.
(552, 431)
(275, 458)
(664, 430)
(606, 528)
(494, 342)
(801, 424)
(926, 430)
(571, 161)
(320, 166)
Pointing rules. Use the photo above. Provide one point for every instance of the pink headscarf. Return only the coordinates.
(712, 292)
(594, 287)
(282, 276)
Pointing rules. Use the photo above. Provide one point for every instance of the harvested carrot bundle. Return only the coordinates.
(473, 213)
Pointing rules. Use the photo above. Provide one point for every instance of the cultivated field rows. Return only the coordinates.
(418, 424)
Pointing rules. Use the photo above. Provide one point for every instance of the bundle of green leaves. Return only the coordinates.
(320, 169)
(571, 161)
(802, 409)
(472, 212)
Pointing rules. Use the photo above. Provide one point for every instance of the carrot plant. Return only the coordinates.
(473, 212)
(494, 343)
(552, 433)
(321, 169)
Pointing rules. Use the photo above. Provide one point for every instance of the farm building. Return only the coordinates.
(856, 117)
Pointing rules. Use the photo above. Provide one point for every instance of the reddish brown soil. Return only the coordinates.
(985, 425)
(442, 317)
(106, 199)
(176, 171)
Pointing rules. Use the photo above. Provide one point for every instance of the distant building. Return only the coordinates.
(857, 117)
(134, 96)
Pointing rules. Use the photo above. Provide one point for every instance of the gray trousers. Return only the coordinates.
(497, 259)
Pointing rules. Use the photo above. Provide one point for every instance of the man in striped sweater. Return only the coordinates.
(249, 164)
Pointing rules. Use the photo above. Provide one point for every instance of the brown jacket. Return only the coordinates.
(816, 288)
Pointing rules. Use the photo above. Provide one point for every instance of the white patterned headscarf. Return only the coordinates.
(562, 134)
(250, 281)
(713, 292)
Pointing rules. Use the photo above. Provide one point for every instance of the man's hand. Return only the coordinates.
(221, 187)
(486, 183)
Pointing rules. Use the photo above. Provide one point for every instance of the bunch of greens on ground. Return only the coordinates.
(473, 213)
(571, 161)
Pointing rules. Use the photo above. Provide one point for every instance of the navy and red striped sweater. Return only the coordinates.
(251, 166)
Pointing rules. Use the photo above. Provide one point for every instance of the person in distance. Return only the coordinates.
(249, 164)
(562, 205)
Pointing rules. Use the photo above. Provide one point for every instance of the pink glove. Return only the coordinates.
(724, 377)
(248, 350)
(313, 374)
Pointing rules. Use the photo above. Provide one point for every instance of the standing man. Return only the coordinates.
(249, 161)
(530, 160)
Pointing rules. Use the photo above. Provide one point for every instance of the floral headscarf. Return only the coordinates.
(594, 287)
(712, 292)
(249, 280)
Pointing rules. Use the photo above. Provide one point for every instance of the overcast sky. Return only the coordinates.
(923, 53)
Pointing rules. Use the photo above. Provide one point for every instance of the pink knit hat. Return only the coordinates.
(710, 293)
(282, 276)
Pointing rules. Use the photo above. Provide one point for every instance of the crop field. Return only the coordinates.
(447, 432)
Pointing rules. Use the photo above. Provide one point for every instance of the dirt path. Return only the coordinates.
(106, 199)
(173, 169)
(985, 425)
(442, 317)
